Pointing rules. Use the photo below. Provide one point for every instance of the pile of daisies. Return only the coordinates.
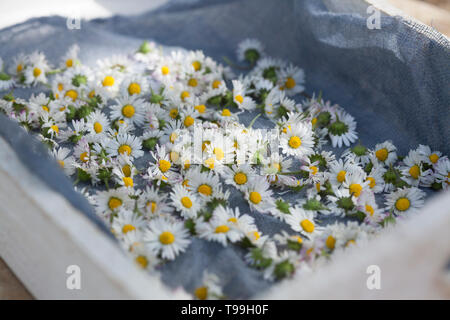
(157, 144)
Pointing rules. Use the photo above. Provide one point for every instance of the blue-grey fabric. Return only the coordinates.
(395, 81)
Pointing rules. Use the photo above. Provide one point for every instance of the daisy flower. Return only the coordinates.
(375, 178)
(405, 200)
(430, 157)
(6, 81)
(127, 221)
(250, 50)
(125, 143)
(97, 124)
(413, 172)
(291, 80)
(442, 172)
(259, 195)
(297, 140)
(342, 129)
(113, 200)
(36, 69)
(162, 169)
(240, 98)
(70, 59)
(18, 64)
(210, 288)
(302, 221)
(366, 204)
(154, 203)
(238, 175)
(204, 184)
(355, 181)
(62, 155)
(185, 201)
(359, 154)
(130, 109)
(134, 85)
(385, 153)
(339, 170)
(166, 237)
(219, 228)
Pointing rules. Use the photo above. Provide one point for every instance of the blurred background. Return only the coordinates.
(435, 13)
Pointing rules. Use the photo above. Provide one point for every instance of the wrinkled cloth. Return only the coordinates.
(395, 81)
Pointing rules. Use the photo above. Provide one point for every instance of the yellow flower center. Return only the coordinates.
(290, 83)
(341, 176)
(222, 229)
(108, 81)
(84, 156)
(127, 181)
(128, 111)
(61, 163)
(295, 142)
(414, 171)
(197, 65)
(188, 121)
(330, 242)
(318, 186)
(381, 154)
(184, 95)
(218, 153)
(210, 163)
(255, 197)
(19, 67)
(370, 209)
(164, 165)
(216, 84)
(240, 178)
(134, 88)
(200, 108)
(173, 136)
(98, 127)
(69, 63)
(174, 156)
(355, 189)
(186, 202)
(313, 121)
(232, 219)
(37, 72)
(192, 82)
(72, 94)
(350, 242)
(125, 149)
(55, 128)
(128, 227)
(142, 261)
(165, 70)
(114, 203)
(372, 182)
(166, 238)
(201, 293)
(126, 169)
(226, 113)
(153, 206)
(434, 158)
(307, 225)
(173, 113)
(205, 189)
(402, 204)
(91, 94)
(314, 170)
(239, 98)
(60, 87)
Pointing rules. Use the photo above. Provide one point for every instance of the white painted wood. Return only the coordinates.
(41, 234)
(412, 257)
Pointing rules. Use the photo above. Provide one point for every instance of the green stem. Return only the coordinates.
(253, 121)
